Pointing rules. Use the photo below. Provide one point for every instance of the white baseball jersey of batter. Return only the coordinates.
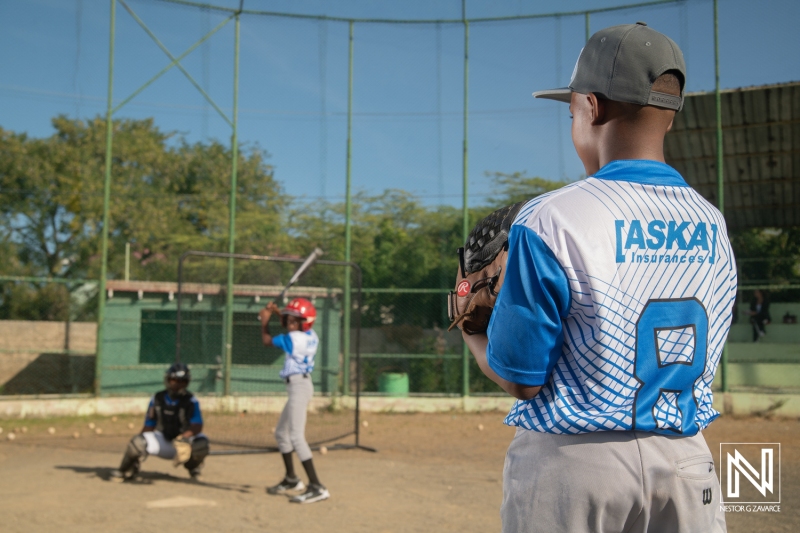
(617, 299)
(300, 348)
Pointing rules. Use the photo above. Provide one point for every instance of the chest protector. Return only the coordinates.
(173, 414)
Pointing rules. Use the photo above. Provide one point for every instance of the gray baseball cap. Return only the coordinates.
(621, 63)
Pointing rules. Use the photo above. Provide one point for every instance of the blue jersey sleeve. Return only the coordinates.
(150, 417)
(197, 417)
(525, 331)
(284, 342)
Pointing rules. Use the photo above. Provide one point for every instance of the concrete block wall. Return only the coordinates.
(46, 357)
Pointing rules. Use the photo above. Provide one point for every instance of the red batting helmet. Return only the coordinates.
(302, 309)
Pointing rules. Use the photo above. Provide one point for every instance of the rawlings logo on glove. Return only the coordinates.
(481, 271)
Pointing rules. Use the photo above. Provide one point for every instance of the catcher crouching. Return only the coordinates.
(172, 429)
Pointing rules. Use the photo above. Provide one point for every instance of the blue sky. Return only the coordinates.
(408, 93)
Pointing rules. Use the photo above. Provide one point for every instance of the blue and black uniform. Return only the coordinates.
(169, 415)
(173, 416)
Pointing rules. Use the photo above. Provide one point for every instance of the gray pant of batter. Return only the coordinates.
(291, 428)
(611, 481)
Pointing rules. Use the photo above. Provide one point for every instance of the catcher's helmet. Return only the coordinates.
(178, 371)
(302, 309)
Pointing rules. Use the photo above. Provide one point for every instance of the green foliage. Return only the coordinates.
(516, 187)
(768, 257)
(167, 196)
(26, 302)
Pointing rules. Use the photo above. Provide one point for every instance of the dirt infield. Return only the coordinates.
(433, 472)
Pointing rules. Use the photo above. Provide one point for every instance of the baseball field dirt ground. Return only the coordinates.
(432, 473)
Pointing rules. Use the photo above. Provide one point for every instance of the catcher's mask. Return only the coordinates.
(178, 372)
(302, 309)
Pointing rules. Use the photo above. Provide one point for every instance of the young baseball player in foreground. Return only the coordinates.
(300, 345)
(615, 303)
(172, 429)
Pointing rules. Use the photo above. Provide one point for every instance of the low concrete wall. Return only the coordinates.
(90, 406)
(737, 403)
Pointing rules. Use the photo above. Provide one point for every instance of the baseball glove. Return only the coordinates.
(183, 451)
(481, 271)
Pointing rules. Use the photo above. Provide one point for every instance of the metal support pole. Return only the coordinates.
(232, 215)
(720, 164)
(465, 353)
(127, 261)
(588, 27)
(347, 222)
(101, 296)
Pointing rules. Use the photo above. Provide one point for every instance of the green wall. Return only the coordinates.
(139, 344)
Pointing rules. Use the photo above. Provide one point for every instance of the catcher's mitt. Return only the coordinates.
(481, 271)
(183, 451)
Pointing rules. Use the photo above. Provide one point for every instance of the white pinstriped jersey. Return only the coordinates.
(617, 299)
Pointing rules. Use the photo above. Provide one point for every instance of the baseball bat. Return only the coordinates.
(313, 256)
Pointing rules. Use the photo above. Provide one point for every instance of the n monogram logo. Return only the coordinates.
(706, 496)
(762, 479)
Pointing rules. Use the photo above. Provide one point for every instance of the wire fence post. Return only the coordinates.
(101, 296)
(588, 26)
(232, 215)
(347, 222)
(465, 354)
(720, 162)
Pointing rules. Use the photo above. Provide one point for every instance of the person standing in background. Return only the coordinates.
(759, 314)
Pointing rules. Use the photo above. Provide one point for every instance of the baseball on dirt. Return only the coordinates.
(365, 424)
(130, 425)
(11, 436)
(1, 430)
(24, 429)
(98, 431)
(91, 425)
(114, 419)
(480, 427)
(52, 431)
(323, 450)
(76, 435)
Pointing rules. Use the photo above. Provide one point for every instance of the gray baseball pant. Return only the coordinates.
(291, 428)
(610, 482)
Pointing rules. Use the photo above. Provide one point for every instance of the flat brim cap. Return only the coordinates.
(562, 94)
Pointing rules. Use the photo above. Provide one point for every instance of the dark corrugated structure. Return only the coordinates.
(761, 135)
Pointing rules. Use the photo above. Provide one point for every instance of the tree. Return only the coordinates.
(517, 186)
(768, 256)
(167, 196)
